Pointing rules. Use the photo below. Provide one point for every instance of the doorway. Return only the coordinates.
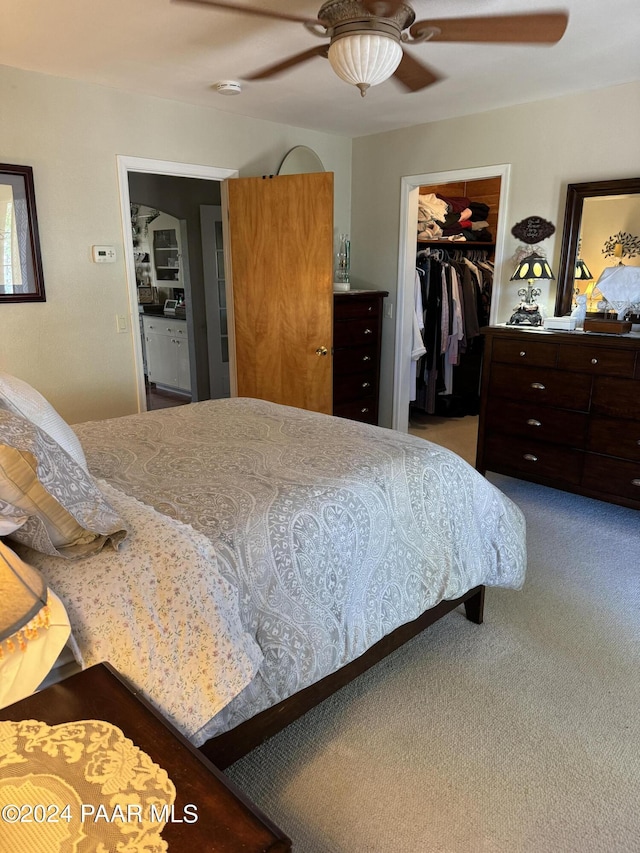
(203, 323)
(457, 436)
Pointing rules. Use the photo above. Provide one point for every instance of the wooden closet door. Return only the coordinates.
(281, 250)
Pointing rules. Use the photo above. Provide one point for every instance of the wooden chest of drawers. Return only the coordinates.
(563, 409)
(357, 334)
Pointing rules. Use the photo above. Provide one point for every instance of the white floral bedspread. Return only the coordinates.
(333, 532)
(160, 611)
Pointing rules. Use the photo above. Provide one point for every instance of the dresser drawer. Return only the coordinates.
(530, 458)
(355, 359)
(364, 410)
(351, 308)
(541, 423)
(541, 385)
(612, 476)
(597, 360)
(353, 386)
(525, 352)
(619, 398)
(614, 437)
(355, 332)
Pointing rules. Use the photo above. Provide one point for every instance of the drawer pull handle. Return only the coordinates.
(370, 308)
(366, 385)
(533, 422)
(368, 331)
(522, 354)
(594, 361)
(368, 358)
(365, 410)
(530, 457)
(538, 386)
(635, 482)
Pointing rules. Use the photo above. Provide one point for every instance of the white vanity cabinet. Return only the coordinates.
(167, 351)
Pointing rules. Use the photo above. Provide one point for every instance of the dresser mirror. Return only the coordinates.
(597, 212)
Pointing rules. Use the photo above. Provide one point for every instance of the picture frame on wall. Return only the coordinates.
(21, 277)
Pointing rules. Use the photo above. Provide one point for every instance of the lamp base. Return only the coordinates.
(526, 314)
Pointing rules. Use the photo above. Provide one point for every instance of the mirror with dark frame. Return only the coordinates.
(21, 278)
(597, 215)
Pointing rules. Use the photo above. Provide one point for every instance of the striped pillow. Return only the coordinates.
(66, 513)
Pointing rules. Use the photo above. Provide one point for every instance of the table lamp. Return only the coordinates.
(34, 628)
(582, 273)
(23, 593)
(530, 269)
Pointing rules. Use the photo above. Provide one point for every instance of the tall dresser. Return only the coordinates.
(357, 337)
(563, 409)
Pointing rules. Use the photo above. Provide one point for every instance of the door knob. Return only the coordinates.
(322, 351)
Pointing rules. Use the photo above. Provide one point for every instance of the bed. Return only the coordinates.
(271, 554)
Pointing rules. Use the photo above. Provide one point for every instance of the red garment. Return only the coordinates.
(456, 203)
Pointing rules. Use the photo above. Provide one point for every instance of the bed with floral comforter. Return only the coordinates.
(270, 547)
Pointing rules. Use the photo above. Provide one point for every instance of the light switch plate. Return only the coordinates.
(103, 254)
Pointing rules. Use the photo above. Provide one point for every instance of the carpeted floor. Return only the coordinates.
(458, 434)
(518, 736)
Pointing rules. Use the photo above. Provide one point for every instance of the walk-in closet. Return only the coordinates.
(454, 286)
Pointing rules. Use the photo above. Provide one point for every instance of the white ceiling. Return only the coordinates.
(178, 51)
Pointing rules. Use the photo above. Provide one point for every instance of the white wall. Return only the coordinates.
(71, 134)
(591, 136)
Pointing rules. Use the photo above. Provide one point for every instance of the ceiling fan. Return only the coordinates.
(366, 38)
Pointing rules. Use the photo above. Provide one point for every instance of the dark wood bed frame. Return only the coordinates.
(226, 748)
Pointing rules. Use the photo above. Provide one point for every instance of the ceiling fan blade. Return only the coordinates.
(533, 28)
(414, 75)
(253, 10)
(279, 67)
(382, 8)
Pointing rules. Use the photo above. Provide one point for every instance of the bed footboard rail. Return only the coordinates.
(230, 746)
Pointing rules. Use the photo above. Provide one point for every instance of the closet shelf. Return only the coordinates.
(476, 244)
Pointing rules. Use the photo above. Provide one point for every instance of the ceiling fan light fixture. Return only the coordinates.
(365, 59)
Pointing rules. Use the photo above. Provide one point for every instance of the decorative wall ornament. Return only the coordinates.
(622, 245)
(533, 229)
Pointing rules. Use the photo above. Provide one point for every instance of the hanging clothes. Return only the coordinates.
(455, 289)
(417, 344)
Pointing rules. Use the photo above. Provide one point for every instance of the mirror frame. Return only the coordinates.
(576, 195)
(35, 278)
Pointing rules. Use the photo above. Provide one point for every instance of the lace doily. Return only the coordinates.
(77, 787)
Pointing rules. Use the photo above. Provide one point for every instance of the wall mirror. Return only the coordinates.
(600, 217)
(300, 161)
(21, 277)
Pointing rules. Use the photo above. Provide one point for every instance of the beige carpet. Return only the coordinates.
(458, 434)
(518, 736)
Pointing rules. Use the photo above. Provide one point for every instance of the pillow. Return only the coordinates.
(20, 398)
(67, 515)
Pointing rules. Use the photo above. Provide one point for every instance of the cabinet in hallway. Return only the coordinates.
(167, 352)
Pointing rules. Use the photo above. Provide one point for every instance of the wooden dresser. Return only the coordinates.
(563, 409)
(357, 336)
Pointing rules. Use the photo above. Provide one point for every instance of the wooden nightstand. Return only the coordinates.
(227, 821)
